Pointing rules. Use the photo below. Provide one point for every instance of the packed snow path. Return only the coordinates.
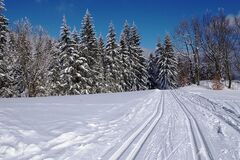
(187, 124)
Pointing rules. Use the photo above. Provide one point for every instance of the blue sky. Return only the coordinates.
(154, 18)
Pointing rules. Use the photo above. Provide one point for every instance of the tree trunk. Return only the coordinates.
(228, 73)
(191, 76)
(218, 70)
(198, 69)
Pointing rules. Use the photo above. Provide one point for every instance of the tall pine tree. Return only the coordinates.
(167, 67)
(3, 26)
(153, 66)
(159, 52)
(66, 58)
(5, 77)
(75, 38)
(152, 70)
(89, 48)
(113, 61)
(127, 59)
(139, 65)
(125, 67)
(101, 49)
(54, 71)
(75, 77)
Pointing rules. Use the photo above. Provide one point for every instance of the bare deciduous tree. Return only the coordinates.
(188, 36)
(31, 59)
(212, 39)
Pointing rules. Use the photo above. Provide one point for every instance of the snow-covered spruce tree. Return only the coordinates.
(138, 61)
(152, 72)
(3, 26)
(101, 49)
(98, 68)
(159, 52)
(83, 71)
(153, 66)
(74, 68)
(11, 51)
(66, 58)
(167, 77)
(90, 51)
(127, 60)
(112, 61)
(5, 75)
(125, 67)
(75, 38)
(54, 72)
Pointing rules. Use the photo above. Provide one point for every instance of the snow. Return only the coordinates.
(190, 123)
(208, 84)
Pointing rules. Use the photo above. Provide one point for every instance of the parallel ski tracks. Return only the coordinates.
(221, 117)
(199, 146)
(135, 142)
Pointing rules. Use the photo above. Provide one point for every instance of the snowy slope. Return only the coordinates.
(191, 123)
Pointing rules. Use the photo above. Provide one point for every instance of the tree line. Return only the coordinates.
(32, 63)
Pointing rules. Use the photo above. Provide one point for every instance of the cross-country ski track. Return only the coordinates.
(185, 124)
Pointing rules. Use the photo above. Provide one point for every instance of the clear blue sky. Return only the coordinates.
(154, 18)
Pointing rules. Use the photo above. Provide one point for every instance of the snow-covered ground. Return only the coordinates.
(192, 123)
(208, 84)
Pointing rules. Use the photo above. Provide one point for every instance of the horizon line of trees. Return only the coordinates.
(34, 64)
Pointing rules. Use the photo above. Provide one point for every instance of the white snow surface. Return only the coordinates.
(191, 123)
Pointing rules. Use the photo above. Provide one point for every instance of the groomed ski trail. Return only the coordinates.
(198, 141)
(140, 135)
(182, 124)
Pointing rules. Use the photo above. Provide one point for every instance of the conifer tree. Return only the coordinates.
(54, 71)
(138, 61)
(75, 37)
(113, 61)
(5, 77)
(82, 76)
(101, 49)
(159, 52)
(152, 70)
(65, 58)
(3, 26)
(74, 76)
(168, 67)
(127, 59)
(89, 49)
(124, 70)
